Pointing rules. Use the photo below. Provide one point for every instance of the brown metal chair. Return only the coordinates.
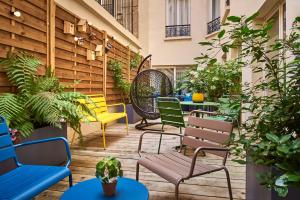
(175, 167)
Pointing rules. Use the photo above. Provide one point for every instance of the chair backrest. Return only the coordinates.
(207, 133)
(97, 103)
(7, 150)
(170, 111)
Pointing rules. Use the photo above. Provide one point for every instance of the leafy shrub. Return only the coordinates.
(39, 100)
(271, 136)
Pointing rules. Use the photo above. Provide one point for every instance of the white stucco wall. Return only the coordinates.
(175, 52)
(100, 18)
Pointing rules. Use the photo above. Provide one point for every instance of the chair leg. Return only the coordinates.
(103, 135)
(70, 181)
(126, 119)
(137, 171)
(159, 144)
(177, 191)
(229, 184)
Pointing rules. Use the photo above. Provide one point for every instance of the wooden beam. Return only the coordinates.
(104, 62)
(128, 65)
(51, 7)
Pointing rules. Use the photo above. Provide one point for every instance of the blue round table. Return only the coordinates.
(127, 189)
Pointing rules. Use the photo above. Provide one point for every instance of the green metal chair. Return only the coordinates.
(225, 112)
(170, 113)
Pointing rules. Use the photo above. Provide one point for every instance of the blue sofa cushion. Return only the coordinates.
(27, 181)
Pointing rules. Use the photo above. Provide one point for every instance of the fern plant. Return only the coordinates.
(40, 100)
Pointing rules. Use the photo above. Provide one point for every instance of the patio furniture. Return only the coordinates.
(170, 113)
(98, 104)
(206, 105)
(27, 181)
(175, 167)
(224, 113)
(146, 87)
(127, 189)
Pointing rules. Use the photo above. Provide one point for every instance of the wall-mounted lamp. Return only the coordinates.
(108, 47)
(16, 13)
(79, 40)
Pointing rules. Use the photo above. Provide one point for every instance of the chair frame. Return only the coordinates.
(193, 163)
(69, 158)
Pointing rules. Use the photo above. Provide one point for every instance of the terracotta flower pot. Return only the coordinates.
(198, 97)
(109, 189)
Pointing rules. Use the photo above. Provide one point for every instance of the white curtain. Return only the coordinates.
(178, 12)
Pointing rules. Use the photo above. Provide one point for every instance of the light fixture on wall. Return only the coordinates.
(108, 47)
(79, 40)
(16, 13)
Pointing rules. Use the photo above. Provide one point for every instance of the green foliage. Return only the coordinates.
(40, 100)
(216, 80)
(121, 84)
(271, 135)
(135, 61)
(109, 169)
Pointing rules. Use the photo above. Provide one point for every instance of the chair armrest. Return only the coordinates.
(49, 140)
(118, 104)
(194, 159)
(156, 133)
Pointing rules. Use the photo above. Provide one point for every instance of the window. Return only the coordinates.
(178, 18)
(214, 24)
(125, 12)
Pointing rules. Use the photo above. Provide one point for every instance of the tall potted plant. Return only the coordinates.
(38, 109)
(270, 139)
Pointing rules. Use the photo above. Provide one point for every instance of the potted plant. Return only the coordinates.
(107, 171)
(270, 140)
(38, 109)
(124, 87)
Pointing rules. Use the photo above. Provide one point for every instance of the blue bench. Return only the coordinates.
(27, 181)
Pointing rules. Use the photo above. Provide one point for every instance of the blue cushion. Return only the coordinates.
(27, 181)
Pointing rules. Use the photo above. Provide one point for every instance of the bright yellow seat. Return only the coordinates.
(100, 108)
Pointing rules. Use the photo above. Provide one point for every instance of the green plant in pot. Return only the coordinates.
(107, 171)
(39, 100)
(271, 136)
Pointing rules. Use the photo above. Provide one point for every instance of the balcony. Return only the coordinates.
(213, 25)
(125, 12)
(178, 30)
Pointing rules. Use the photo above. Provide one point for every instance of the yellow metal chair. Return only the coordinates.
(100, 107)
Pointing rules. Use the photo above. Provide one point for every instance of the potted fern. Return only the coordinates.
(107, 171)
(38, 109)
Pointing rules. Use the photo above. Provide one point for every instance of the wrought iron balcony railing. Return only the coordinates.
(213, 25)
(125, 12)
(178, 30)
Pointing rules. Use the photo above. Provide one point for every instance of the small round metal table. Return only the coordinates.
(127, 189)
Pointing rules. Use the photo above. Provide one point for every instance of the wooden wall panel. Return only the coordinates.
(26, 33)
(31, 33)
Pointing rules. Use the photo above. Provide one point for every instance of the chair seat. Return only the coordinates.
(173, 166)
(106, 117)
(30, 180)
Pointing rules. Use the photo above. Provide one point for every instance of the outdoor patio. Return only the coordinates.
(124, 147)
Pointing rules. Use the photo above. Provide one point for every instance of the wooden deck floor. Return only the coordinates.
(124, 147)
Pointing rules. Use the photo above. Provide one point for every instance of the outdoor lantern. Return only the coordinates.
(16, 13)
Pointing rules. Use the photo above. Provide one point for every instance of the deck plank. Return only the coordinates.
(124, 147)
